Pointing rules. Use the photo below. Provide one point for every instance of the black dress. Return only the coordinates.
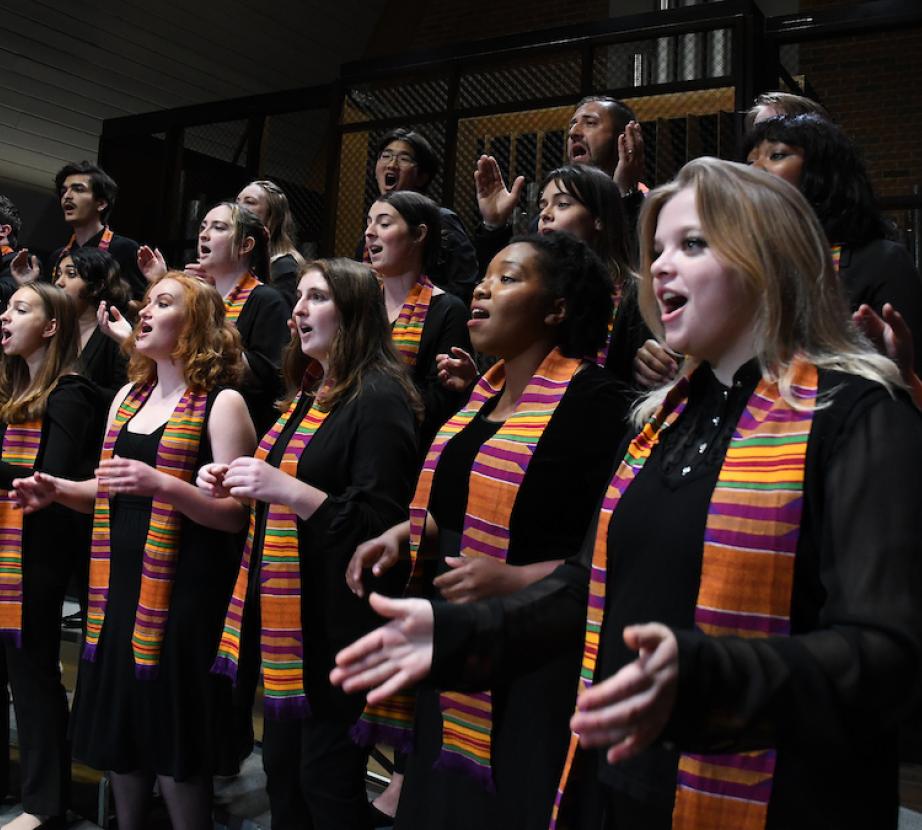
(103, 362)
(831, 696)
(53, 539)
(263, 327)
(174, 724)
(284, 273)
(531, 711)
(445, 326)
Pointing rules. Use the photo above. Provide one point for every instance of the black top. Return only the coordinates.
(364, 458)
(830, 696)
(123, 250)
(882, 272)
(456, 271)
(554, 504)
(103, 362)
(263, 327)
(8, 285)
(284, 272)
(445, 326)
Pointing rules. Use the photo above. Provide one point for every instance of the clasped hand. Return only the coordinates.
(128, 476)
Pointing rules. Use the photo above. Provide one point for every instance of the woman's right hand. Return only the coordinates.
(210, 478)
(116, 326)
(457, 371)
(151, 263)
(197, 270)
(654, 365)
(392, 657)
(25, 268)
(495, 200)
(35, 492)
(380, 554)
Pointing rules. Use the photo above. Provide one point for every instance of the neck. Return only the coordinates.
(34, 362)
(170, 379)
(87, 231)
(727, 365)
(520, 369)
(396, 289)
(86, 322)
(224, 281)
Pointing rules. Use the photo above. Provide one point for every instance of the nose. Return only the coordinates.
(546, 216)
(759, 162)
(482, 289)
(370, 232)
(59, 282)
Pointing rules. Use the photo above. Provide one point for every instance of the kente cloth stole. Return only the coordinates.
(104, 243)
(601, 357)
(747, 572)
(176, 456)
(281, 640)
(836, 257)
(5, 249)
(496, 475)
(237, 299)
(21, 443)
(408, 327)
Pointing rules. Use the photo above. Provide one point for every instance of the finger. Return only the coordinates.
(517, 187)
(350, 658)
(392, 609)
(449, 579)
(399, 681)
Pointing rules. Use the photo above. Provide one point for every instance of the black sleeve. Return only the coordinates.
(488, 242)
(263, 326)
(446, 326)
(856, 673)
(284, 271)
(125, 251)
(629, 334)
(457, 269)
(71, 434)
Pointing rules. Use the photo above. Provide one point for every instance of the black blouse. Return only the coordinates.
(103, 362)
(123, 250)
(830, 696)
(284, 271)
(364, 458)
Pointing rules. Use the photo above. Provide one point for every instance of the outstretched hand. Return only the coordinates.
(379, 554)
(151, 263)
(495, 200)
(25, 267)
(456, 371)
(628, 712)
(392, 657)
(35, 492)
(112, 323)
(630, 167)
(889, 334)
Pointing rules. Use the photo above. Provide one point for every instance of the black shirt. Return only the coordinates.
(123, 250)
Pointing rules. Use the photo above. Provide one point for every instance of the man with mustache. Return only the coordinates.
(87, 196)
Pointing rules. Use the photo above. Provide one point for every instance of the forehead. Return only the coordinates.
(77, 178)
(593, 109)
(384, 209)
(680, 211)
(519, 254)
(313, 279)
(66, 262)
(252, 191)
(24, 295)
(400, 146)
(168, 286)
(220, 213)
(554, 187)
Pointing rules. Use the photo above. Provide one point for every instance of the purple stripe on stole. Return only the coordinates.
(474, 523)
(367, 733)
(225, 667)
(142, 672)
(461, 763)
(287, 708)
(785, 544)
(762, 761)
(758, 793)
(748, 511)
(12, 635)
(502, 452)
(475, 711)
(484, 548)
(770, 626)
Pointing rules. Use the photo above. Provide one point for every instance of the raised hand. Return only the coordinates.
(151, 263)
(380, 554)
(111, 323)
(630, 167)
(25, 268)
(457, 371)
(195, 269)
(495, 200)
(654, 365)
(392, 657)
(628, 711)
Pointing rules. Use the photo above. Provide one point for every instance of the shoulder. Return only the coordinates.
(122, 243)
(877, 252)
(283, 265)
(74, 387)
(381, 395)
(227, 402)
(447, 305)
(594, 396)
(265, 296)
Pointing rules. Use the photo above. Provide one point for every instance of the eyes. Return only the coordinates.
(690, 245)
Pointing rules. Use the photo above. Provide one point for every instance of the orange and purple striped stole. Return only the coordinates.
(239, 294)
(5, 249)
(601, 356)
(496, 475)
(279, 584)
(176, 456)
(836, 251)
(408, 327)
(21, 443)
(104, 242)
(747, 573)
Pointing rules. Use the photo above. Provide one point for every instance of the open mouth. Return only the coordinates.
(578, 152)
(390, 180)
(374, 250)
(204, 250)
(305, 329)
(478, 313)
(671, 302)
(5, 336)
(145, 328)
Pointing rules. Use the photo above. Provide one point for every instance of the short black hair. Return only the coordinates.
(621, 113)
(427, 162)
(834, 179)
(103, 277)
(104, 186)
(9, 215)
(572, 271)
(418, 209)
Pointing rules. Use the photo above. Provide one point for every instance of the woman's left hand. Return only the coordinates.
(475, 577)
(129, 476)
(252, 478)
(628, 712)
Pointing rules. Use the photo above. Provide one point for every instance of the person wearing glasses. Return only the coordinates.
(405, 160)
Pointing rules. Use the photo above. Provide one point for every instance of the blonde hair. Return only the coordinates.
(763, 228)
(209, 348)
(25, 398)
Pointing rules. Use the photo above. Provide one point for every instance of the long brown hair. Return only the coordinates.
(279, 221)
(25, 398)
(361, 345)
(209, 348)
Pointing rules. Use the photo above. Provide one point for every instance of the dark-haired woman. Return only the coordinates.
(233, 255)
(50, 420)
(816, 157)
(336, 469)
(268, 202)
(402, 239)
(405, 160)
(89, 277)
(163, 558)
(507, 490)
